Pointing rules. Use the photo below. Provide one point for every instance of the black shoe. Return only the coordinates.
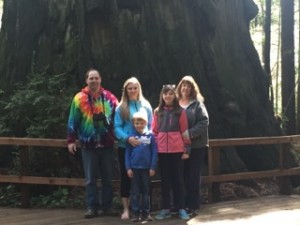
(190, 212)
(135, 218)
(147, 217)
(90, 213)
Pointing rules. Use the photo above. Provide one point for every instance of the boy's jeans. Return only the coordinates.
(140, 186)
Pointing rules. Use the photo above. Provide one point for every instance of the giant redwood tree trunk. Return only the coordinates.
(158, 42)
(288, 66)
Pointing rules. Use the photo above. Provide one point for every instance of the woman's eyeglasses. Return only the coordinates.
(171, 86)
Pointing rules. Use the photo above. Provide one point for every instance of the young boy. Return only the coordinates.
(140, 162)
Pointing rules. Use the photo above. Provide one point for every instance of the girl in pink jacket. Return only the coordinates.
(170, 127)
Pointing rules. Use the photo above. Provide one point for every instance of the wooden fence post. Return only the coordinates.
(213, 169)
(216, 186)
(284, 181)
(25, 191)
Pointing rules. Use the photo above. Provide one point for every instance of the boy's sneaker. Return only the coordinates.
(174, 211)
(183, 215)
(163, 214)
(147, 217)
(90, 213)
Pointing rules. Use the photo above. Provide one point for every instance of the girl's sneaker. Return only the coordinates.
(183, 215)
(163, 214)
(174, 210)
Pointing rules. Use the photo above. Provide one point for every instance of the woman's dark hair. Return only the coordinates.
(162, 104)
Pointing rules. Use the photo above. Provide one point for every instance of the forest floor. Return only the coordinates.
(235, 191)
(247, 189)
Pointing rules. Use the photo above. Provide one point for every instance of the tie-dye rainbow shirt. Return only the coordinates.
(81, 124)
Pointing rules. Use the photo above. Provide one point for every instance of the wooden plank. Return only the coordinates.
(253, 141)
(285, 181)
(216, 171)
(205, 179)
(25, 189)
(57, 181)
(210, 173)
(42, 180)
(44, 142)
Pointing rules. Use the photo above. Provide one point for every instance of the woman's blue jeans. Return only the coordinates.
(98, 163)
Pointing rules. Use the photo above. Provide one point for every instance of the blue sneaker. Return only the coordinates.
(163, 214)
(183, 215)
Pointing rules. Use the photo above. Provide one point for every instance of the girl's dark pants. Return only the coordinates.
(171, 170)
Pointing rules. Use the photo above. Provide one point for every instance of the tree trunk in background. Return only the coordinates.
(262, 11)
(287, 66)
(267, 46)
(278, 65)
(298, 80)
(158, 42)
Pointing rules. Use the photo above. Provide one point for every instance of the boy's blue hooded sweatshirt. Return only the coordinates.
(143, 156)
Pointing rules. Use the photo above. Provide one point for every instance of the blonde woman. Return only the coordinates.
(132, 101)
(192, 101)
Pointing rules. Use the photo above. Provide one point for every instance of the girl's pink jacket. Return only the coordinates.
(171, 131)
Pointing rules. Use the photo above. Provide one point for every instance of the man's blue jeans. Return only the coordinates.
(96, 163)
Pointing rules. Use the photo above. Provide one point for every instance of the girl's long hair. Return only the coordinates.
(161, 105)
(195, 91)
(124, 104)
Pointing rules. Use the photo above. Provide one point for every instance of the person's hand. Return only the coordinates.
(72, 148)
(185, 156)
(151, 172)
(129, 173)
(133, 141)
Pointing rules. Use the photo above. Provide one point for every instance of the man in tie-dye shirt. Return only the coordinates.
(91, 121)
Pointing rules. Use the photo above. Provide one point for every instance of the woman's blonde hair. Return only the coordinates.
(195, 91)
(124, 104)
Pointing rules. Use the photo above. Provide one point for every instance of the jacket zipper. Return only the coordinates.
(170, 122)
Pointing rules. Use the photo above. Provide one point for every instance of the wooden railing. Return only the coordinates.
(213, 179)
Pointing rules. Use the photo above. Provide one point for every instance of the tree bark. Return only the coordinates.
(298, 81)
(288, 66)
(158, 42)
(267, 46)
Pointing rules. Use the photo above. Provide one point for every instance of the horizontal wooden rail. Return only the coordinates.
(253, 141)
(44, 142)
(206, 179)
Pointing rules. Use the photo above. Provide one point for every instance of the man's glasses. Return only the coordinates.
(171, 86)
